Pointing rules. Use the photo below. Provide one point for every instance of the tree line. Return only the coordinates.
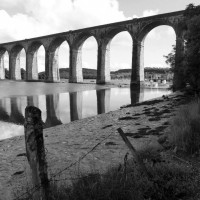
(189, 64)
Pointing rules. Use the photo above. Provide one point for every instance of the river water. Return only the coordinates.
(62, 107)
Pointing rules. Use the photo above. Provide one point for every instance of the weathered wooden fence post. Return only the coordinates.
(137, 158)
(36, 152)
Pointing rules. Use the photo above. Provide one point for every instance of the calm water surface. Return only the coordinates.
(61, 108)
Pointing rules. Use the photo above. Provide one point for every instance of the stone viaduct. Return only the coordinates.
(138, 28)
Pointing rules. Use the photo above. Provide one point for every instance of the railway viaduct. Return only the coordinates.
(138, 28)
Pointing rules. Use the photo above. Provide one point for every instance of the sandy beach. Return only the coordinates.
(143, 123)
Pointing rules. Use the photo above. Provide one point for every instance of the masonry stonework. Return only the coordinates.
(138, 29)
(2, 68)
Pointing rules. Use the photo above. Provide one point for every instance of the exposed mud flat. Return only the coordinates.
(143, 123)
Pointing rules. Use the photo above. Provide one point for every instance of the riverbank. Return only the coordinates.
(126, 83)
(143, 124)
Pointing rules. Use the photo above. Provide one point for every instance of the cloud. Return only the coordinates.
(119, 65)
(147, 13)
(52, 16)
(153, 34)
(22, 19)
(157, 65)
(85, 64)
(18, 26)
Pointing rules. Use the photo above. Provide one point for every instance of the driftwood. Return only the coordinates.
(35, 151)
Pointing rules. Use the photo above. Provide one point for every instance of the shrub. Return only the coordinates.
(185, 129)
(166, 181)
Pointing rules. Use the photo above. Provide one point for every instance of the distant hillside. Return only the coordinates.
(157, 70)
(146, 69)
(92, 73)
(64, 73)
(121, 73)
(148, 72)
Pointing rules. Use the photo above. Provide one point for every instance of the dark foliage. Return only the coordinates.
(170, 58)
(189, 66)
(192, 53)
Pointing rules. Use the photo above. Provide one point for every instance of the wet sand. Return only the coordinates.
(65, 144)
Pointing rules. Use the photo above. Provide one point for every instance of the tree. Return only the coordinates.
(191, 62)
(192, 53)
(170, 58)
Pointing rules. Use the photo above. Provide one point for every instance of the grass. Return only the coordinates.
(165, 180)
(166, 177)
(185, 129)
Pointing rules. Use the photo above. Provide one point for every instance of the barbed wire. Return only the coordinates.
(82, 157)
(37, 187)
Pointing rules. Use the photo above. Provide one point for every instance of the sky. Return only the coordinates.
(20, 19)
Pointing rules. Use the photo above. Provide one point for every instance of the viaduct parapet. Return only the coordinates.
(138, 28)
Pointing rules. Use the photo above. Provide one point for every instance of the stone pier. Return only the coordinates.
(138, 28)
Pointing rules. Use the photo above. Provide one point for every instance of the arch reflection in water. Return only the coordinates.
(65, 107)
(137, 94)
(103, 101)
(4, 114)
(33, 101)
(76, 103)
(52, 109)
(16, 115)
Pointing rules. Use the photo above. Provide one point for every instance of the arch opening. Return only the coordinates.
(89, 59)
(41, 63)
(121, 57)
(157, 43)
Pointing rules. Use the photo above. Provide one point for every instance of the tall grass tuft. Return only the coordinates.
(185, 129)
(168, 181)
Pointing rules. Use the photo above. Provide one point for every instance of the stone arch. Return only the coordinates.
(138, 49)
(14, 62)
(32, 60)
(103, 69)
(89, 49)
(2, 63)
(80, 39)
(52, 64)
(56, 43)
(113, 32)
(76, 74)
(147, 28)
(121, 42)
(34, 46)
(2, 50)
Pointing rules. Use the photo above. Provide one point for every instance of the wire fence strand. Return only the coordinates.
(37, 187)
